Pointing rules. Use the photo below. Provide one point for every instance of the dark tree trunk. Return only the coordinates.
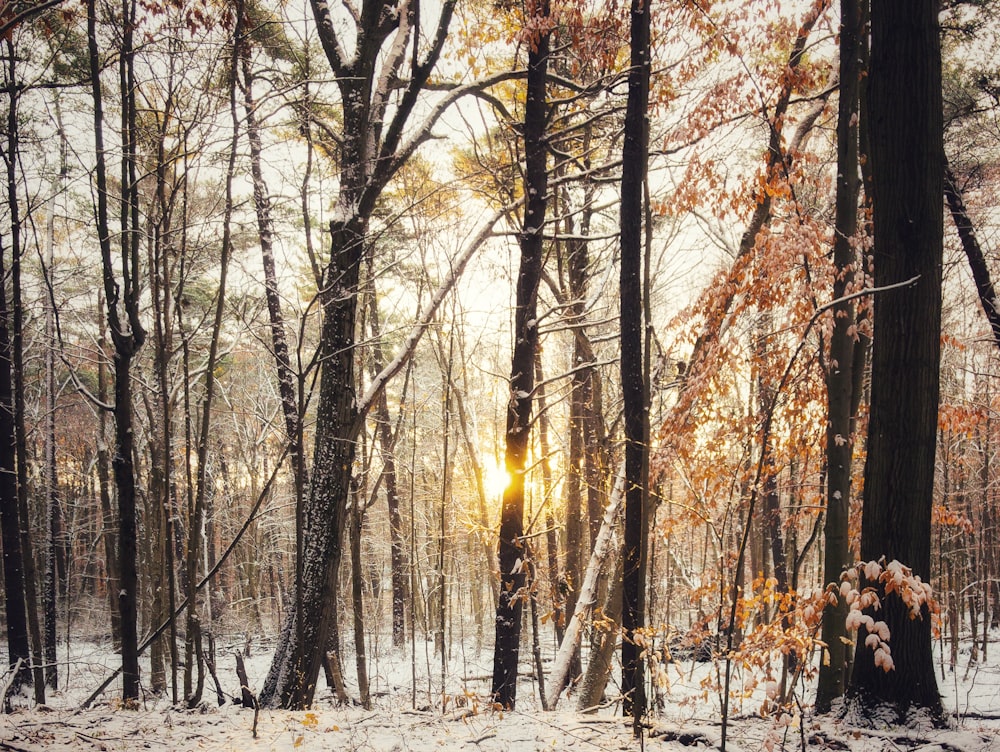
(16, 364)
(840, 367)
(18, 647)
(265, 231)
(372, 151)
(634, 157)
(103, 467)
(12, 522)
(905, 126)
(291, 681)
(973, 252)
(387, 447)
(511, 549)
(128, 337)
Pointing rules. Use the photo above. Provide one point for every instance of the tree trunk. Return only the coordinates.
(18, 648)
(15, 526)
(511, 551)
(559, 677)
(840, 366)
(973, 252)
(291, 681)
(199, 514)
(905, 125)
(357, 601)
(387, 446)
(265, 231)
(103, 466)
(634, 158)
(128, 337)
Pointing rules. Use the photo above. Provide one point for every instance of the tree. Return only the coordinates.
(522, 379)
(905, 127)
(12, 523)
(839, 377)
(634, 159)
(127, 333)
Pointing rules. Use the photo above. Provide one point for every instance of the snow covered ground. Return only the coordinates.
(406, 721)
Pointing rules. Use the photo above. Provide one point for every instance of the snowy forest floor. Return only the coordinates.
(688, 719)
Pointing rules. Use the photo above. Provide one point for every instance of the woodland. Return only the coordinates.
(554, 353)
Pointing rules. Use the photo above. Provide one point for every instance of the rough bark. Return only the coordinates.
(291, 681)
(905, 128)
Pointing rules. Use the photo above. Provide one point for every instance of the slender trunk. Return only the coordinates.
(555, 586)
(197, 524)
(103, 467)
(634, 158)
(265, 231)
(18, 648)
(15, 524)
(559, 677)
(17, 372)
(840, 369)
(512, 576)
(973, 252)
(397, 561)
(360, 656)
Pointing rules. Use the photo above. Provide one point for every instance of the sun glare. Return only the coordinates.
(496, 478)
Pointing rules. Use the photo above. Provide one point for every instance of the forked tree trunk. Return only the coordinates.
(127, 334)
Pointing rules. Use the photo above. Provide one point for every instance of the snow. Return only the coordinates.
(687, 719)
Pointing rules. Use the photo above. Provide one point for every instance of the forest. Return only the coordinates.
(522, 374)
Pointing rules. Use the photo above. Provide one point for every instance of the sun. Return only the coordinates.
(496, 479)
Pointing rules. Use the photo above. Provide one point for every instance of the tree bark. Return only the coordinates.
(511, 550)
(127, 335)
(372, 151)
(840, 367)
(634, 159)
(905, 124)
(973, 252)
(18, 647)
(588, 595)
